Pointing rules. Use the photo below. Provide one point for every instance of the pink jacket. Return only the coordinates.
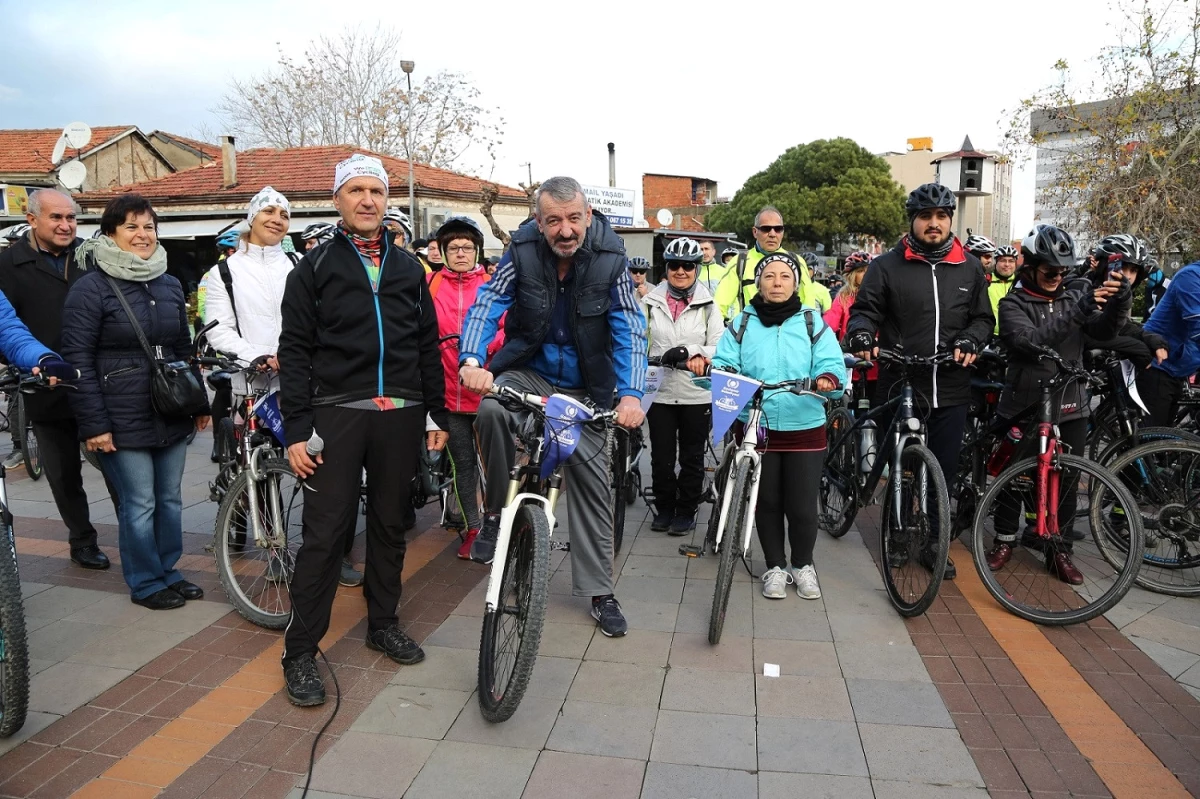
(838, 318)
(453, 294)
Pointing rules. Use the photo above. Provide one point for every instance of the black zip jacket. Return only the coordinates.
(341, 341)
(925, 308)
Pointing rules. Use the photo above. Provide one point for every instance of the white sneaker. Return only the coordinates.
(775, 583)
(806, 582)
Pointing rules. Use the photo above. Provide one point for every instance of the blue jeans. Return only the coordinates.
(150, 517)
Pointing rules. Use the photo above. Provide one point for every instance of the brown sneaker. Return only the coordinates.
(999, 557)
(1061, 566)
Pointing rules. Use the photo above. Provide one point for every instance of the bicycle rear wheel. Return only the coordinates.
(256, 578)
(913, 544)
(512, 632)
(1028, 584)
(838, 493)
(618, 459)
(730, 547)
(14, 652)
(1144, 435)
(1164, 478)
(29, 443)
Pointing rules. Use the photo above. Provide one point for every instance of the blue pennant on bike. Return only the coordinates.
(730, 393)
(267, 411)
(564, 426)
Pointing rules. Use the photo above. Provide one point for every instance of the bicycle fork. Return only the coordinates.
(1048, 483)
(274, 508)
(508, 513)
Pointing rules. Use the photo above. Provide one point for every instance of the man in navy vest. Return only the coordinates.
(575, 327)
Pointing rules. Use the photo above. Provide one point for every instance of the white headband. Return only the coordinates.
(359, 166)
(265, 199)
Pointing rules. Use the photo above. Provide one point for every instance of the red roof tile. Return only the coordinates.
(30, 150)
(296, 170)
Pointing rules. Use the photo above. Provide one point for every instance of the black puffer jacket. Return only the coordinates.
(114, 383)
(1029, 320)
(925, 308)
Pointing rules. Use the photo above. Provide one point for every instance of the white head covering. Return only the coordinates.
(359, 166)
(265, 199)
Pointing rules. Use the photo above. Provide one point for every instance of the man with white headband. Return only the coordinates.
(361, 380)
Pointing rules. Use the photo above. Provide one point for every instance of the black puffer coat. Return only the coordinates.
(114, 383)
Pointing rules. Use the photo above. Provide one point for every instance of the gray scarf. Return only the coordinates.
(682, 294)
(112, 260)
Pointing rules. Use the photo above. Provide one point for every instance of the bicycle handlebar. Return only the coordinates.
(537, 403)
(12, 378)
(892, 356)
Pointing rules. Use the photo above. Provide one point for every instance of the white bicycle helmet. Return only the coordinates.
(17, 231)
(683, 249)
(980, 245)
(319, 231)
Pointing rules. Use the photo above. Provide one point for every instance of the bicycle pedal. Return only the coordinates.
(691, 550)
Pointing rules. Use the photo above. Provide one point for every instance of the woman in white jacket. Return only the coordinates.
(681, 317)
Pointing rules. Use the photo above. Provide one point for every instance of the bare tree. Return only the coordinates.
(349, 89)
(488, 196)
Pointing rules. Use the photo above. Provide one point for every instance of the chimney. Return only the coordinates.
(228, 163)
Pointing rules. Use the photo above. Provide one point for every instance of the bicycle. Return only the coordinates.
(519, 579)
(1116, 426)
(911, 555)
(1038, 592)
(738, 495)
(32, 454)
(979, 439)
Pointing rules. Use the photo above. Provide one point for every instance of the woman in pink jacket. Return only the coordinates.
(838, 315)
(453, 289)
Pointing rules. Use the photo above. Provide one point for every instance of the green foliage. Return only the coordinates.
(829, 191)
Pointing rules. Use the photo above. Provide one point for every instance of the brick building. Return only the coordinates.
(687, 198)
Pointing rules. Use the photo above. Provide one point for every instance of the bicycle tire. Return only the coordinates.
(1144, 435)
(14, 663)
(255, 579)
(900, 556)
(30, 450)
(226, 444)
(1022, 581)
(1169, 513)
(618, 457)
(529, 563)
(838, 492)
(739, 501)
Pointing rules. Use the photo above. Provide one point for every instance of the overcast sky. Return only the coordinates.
(718, 95)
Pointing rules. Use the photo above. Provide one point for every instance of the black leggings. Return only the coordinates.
(788, 488)
(683, 428)
(1016, 504)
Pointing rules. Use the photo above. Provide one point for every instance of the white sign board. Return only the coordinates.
(615, 204)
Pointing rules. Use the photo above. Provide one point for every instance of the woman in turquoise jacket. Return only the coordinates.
(773, 340)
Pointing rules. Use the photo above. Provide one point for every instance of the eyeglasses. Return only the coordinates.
(684, 265)
(770, 228)
(1052, 274)
(466, 249)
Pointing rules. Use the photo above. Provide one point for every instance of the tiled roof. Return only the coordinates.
(296, 170)
(211, 150)
(30, 150)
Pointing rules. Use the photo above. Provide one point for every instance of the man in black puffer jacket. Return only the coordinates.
(927, 295)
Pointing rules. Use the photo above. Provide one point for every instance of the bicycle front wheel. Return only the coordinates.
(914, 531)
(1144, 435)
(29, 445)
(512, 631)
(838, 493)
(1063, 578)
(14, 652)
(255, 575)
(730, 546)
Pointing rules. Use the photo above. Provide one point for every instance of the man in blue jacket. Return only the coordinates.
(19, 348)
(1177, 319)
(575, 327)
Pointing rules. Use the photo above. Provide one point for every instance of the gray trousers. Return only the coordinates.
(589, 502)
(466, 472)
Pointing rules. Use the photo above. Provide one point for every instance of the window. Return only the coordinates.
(972, 165)
(971, 183)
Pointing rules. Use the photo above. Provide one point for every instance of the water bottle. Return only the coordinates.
(866, 446)
(1004, 452)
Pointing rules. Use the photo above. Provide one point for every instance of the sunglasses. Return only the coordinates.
(685, 266)
(1052, 274)
(770, 228)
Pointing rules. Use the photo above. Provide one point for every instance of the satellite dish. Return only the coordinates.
(77, 135)
(60, 147)
(665, 217)
(72, 174)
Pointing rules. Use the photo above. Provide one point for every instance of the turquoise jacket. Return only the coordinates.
(784, 352)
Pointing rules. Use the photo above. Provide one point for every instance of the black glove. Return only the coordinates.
(861, 341)
(674, 356)
(966, 346)
(1087, 305)
(54, 366)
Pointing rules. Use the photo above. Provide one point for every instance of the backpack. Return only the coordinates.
(227, 279)
(745, 320)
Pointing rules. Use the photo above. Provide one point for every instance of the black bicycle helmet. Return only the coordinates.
(638, 264)
(1006, 251)
(1047, 245)
(929, 196)
(856, 260)
(317, 230)
(1129, 249)
(457, 227)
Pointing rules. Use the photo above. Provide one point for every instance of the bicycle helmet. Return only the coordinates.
(639, 264)
(457, 227)
(1127, 248)
(930, 196)
(17, 231)
(812, 260)
(980, 245)
(317, 230)
(727, 252)
(683, 249)
(400, 218)
(229, 239)
(856, 260)
(1047, 245)
(1006, 251)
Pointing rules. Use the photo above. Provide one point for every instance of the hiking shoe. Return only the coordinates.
(15, 458)
(806, 582)
(999, 557)
(454, 521)
(396, 644)
(662, 521)
(304, 686)
(775, 583)
(276, 572)
(464, 551)
(683, 524)
(349, 576)
(483, 547)
(925, 558)
(1060, 566)
(607, 611)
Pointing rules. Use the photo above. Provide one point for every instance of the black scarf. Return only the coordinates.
(775, 313)
(931, 254)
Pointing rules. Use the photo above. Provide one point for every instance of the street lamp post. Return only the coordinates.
(408, 66)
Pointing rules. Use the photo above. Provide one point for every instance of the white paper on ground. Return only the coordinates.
(770, 669)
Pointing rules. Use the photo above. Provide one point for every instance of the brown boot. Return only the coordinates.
(999, 557)
(1061, 566)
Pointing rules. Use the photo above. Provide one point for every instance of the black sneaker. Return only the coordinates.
(304, 686)
(925, 558)
(662, 521)
(396, 644)
(683, 524)
(483, 548)
(607, 611)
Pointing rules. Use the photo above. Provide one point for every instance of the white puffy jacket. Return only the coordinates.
(259, 275)
(698, 328)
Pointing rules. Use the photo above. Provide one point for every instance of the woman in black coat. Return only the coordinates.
(141, 452)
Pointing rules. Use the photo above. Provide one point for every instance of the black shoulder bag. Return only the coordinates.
(175, 392)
